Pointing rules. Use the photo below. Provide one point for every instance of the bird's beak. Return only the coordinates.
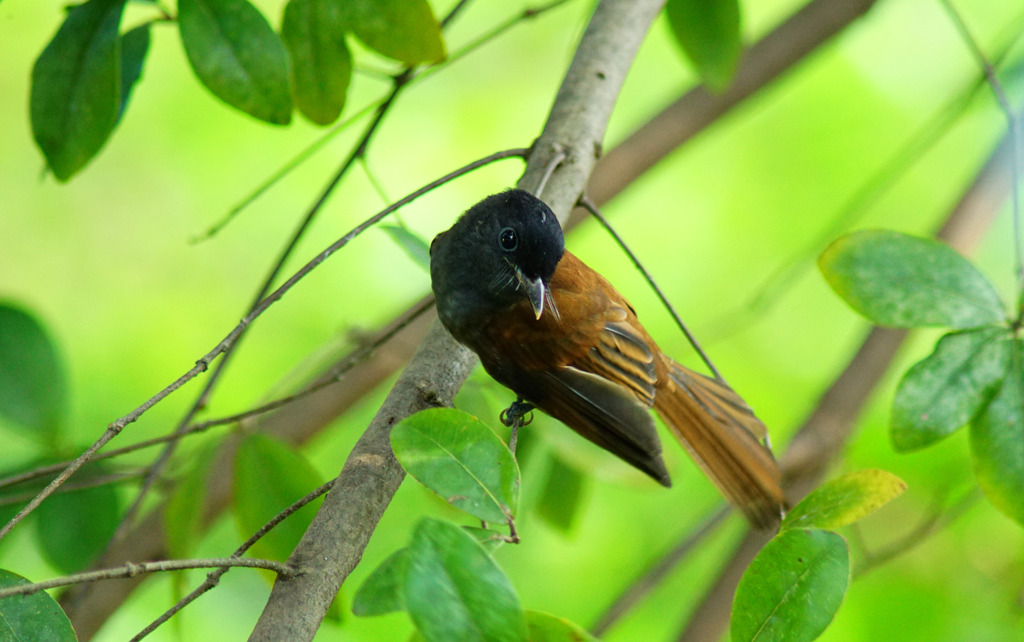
(536, 291)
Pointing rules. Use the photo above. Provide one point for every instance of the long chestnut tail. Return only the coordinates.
(724, 437)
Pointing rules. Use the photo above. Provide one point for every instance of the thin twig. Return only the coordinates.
(587, 204)
(269, 300)
(1012, 134)
(132, 570)
(101, 480)
(287, 168)
(214, 577)
(525, 14)
(360, 354)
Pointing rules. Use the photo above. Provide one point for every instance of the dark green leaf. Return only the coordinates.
(134, 46)
(75, 87)
(75, 527)
(185, 508)
(236, 54)
(905, 281)
(405, 30)
(560, 500)
(414, 245)
(709, 33)
(455, 591)
(793, 588)
(947, 389)
(544, 627)
(269, 477)
(31, 617)
(384, 590)
(32, 383)
(997, 441)
(458, 457)
(321, 64)
(845, 500)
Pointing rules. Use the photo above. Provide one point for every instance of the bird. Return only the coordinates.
(560, 336)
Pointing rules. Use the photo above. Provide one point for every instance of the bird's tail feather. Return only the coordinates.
(723, 436)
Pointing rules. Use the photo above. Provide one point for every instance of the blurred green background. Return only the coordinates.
(107, 262)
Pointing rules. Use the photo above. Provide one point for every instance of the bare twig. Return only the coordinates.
(214, 577)
(590, 207)
(336, 374)
(102, 480)
(133, 570)
(1012, 133)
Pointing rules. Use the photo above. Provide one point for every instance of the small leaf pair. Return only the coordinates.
(793, 588)
(974, 376)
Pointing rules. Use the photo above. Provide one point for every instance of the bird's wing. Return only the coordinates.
(591, 366)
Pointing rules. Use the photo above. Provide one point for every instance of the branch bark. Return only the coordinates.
(334, 542)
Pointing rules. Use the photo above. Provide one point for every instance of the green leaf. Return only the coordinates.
(75, 527)
(321, 64)
(414, 245)
(947, 389)
(33, 391)
(997, 441)
(384, 590)
(544, 627)
(31, 617)
(269, 477)
(134, 47)
(186, 507)
(405, 30)
(560, 499)
(793, 588)
(709, 33)
(75, 87)
(904, 281)
(236, 54)
(458, 457)
(455, 591)
(845, 500)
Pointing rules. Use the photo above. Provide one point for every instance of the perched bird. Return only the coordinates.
(561, 337)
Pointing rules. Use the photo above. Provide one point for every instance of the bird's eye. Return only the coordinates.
(508, 240)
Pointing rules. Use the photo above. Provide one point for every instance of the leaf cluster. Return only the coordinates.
(974, 376)
(83, 79)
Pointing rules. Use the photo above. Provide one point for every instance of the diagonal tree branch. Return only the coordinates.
(334, 542)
